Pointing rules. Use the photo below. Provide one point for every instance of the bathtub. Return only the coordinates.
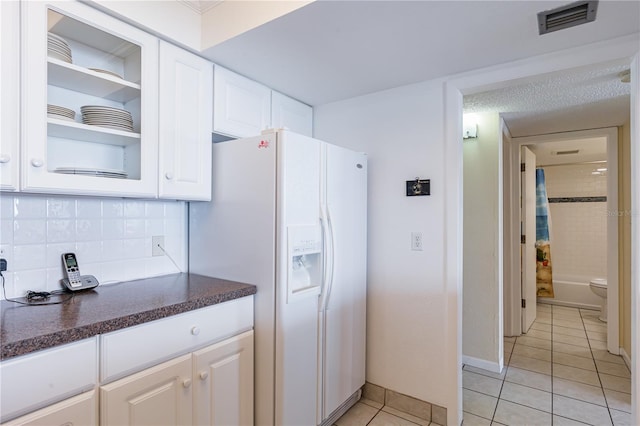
(572, 291)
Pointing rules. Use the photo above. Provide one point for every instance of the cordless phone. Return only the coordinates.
(74, 280)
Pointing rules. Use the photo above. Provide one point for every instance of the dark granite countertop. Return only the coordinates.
(26, 329)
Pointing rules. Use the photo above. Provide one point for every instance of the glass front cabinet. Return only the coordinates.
(89, 114)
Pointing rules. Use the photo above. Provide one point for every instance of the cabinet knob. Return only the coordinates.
(195, 331)
(204, 375)
(5, 158)
(36, 162)
(168, 175)
(186, 383)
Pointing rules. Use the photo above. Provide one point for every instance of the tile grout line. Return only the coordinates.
(604, 395)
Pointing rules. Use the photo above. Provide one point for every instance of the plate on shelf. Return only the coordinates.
(60, 110)
(58, 48)
(54, 54)
(110, 117)
(111, 73)
(60, 117)
(110, 173)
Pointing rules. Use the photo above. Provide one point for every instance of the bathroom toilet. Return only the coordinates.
(599, 287)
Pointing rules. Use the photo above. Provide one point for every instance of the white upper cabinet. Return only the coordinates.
(186, 89)
(9, 94)
(289, 113)
(241, 107)
(75, 56)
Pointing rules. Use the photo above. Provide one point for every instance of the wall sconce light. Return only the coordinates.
(470, 131)
(469, 126)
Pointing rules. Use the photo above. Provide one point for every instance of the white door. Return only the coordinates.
(9, 94)
(344, 327)
(186, 88)
(160, 395)
(291, 114)
(241, 107)
(223, 388)
(52, 144)
(528, 230)
(296, 317)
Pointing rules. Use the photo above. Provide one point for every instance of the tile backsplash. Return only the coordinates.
(110, 236)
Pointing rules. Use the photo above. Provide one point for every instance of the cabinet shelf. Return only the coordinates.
(96, 134)
(79, 79)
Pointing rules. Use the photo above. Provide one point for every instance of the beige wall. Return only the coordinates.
(624, 234)
(482, 265)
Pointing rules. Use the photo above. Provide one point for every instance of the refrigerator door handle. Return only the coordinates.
(331, 256)
(327, 235)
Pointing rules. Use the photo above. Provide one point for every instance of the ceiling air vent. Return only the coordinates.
(567, 16)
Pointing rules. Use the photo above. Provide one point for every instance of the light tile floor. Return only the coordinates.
(371, 413)
(559, 373)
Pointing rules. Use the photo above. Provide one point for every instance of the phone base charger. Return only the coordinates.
(86, 282)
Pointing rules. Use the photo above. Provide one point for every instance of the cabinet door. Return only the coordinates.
(9, 94)
(223, 373)
(241, 107)
(160, 395)
(74, 57)
(79, 410)
(186, 89)
(291, 114)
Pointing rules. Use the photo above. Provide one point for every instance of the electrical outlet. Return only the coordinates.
(157, 242)
(416, 241)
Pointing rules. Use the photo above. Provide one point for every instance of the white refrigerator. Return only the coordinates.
(288, 214)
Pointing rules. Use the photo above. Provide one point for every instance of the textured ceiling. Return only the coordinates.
(578, 99)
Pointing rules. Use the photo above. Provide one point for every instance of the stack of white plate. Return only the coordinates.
(104, 116)
(61, 113)
(109, 173)
(58, 48)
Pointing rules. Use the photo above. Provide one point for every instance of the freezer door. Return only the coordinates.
(344, 316)
(298, 207)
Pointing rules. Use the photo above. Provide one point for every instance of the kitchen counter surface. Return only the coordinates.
(107, 308)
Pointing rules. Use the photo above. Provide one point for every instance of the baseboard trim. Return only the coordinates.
(626, 358)
(482, 363)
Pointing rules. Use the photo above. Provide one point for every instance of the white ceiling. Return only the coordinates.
(333, 50)
(589, 150)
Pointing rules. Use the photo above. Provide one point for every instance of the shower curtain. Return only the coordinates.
(544, 281)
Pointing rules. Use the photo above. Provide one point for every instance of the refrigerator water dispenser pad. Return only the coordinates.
(304, 276)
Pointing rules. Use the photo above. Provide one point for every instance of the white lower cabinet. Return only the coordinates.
(213, 386)
(79, 410)
(223, 394)
(160, 395)
(183, 377)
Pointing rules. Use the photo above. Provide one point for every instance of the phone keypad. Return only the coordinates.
(74, 277)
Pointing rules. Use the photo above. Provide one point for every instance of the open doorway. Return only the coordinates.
(471, 85)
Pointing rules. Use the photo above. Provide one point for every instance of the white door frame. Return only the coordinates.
(611, 134)
(492, 78)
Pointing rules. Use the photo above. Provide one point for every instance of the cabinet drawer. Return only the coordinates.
(133, 349)
(60, 373)
(79, 410)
